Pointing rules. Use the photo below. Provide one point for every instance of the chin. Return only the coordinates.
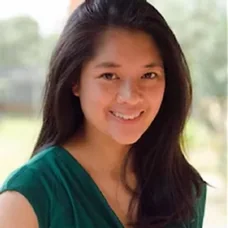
(126, 140)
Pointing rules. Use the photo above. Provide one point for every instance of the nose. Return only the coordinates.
(129, 93)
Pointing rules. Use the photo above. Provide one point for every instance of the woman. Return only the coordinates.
(109, 153)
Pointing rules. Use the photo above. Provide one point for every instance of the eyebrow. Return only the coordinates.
(116, 65)
(107, 65)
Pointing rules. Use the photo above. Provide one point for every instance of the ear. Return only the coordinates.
(75, 89)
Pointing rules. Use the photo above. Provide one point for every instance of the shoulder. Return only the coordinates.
(33, 174)
(32, 184)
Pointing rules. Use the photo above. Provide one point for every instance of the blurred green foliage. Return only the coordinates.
(21, 44)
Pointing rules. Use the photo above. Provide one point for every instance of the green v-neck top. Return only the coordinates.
(63, 194)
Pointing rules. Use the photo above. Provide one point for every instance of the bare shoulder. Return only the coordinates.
(16, 211)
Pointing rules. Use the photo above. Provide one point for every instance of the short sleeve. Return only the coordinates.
(197, 222)
(26, 182)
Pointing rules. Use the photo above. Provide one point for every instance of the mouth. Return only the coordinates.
(125, 117)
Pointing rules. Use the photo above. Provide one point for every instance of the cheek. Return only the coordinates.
(155, 95)
(95, 96)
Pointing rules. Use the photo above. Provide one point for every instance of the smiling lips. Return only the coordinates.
(126, 117)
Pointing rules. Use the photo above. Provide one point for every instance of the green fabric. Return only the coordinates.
(63, 195)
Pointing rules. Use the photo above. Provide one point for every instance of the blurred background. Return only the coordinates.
(29, 31)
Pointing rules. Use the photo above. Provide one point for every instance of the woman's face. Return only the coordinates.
(122, 86)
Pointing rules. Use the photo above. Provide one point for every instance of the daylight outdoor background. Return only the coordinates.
(29, 30)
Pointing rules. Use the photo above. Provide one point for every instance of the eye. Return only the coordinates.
(150, 75)
(109, 76)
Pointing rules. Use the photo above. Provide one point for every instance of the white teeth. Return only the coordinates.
(126, 117)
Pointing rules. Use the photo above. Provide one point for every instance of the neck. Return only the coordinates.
(101, 153)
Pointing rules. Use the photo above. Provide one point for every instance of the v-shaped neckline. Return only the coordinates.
(91, 180)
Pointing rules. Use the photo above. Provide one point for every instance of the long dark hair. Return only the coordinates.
(167, 185)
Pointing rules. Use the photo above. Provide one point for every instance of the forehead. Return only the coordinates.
(126, 45)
